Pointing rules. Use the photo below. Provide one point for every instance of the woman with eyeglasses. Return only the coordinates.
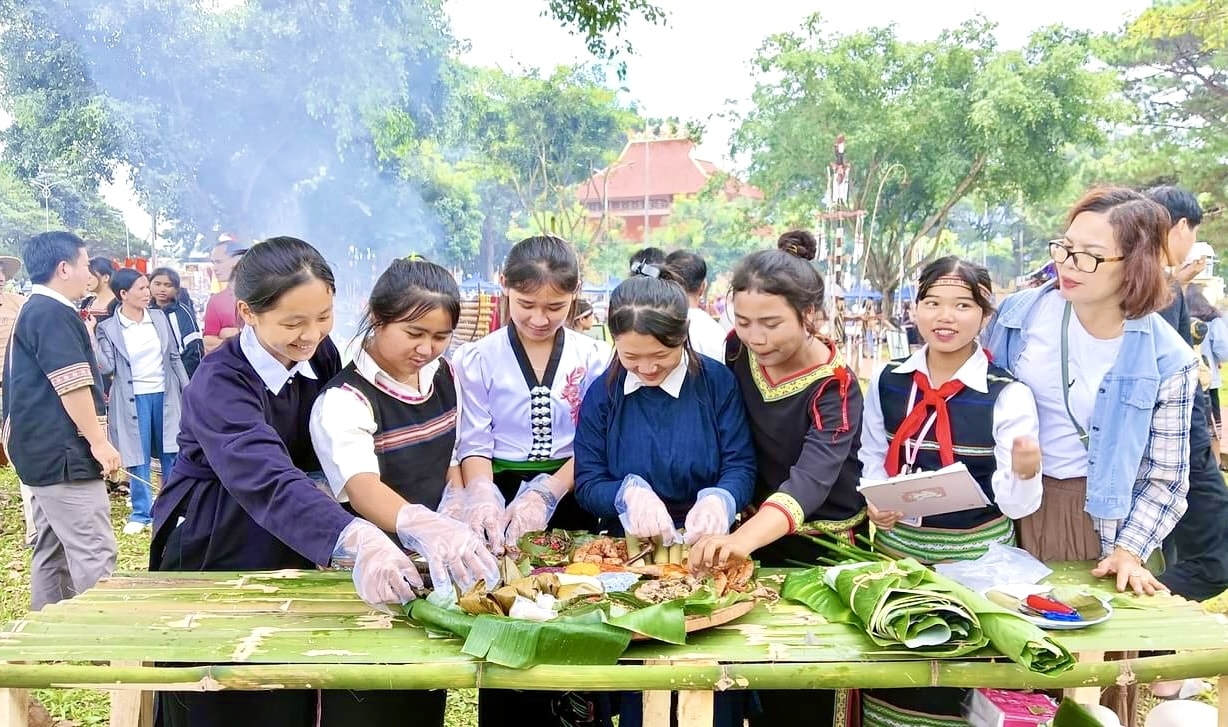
(1114, 387)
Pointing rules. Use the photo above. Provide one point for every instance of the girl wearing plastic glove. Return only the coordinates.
(385, 427)
(663, 441)
(804, 407)
(944, 404)
(239, 497)
(521, 389)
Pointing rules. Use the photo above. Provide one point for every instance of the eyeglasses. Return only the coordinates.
(1084, 262)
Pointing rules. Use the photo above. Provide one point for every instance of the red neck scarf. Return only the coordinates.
(931, 400)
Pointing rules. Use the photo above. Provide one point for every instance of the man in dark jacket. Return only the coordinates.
(1197, 549)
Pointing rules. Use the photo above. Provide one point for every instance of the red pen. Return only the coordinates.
(1041, 603)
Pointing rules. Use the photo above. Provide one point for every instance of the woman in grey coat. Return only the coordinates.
(136, 346)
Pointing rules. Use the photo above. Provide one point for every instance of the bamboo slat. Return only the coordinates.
(308, 628)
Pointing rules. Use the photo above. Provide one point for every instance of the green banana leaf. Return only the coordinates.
(583, 639)
(905, 607)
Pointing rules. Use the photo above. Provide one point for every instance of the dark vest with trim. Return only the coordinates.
(413, 441)
(971, 432)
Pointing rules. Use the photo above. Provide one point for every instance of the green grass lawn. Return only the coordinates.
(87, 707)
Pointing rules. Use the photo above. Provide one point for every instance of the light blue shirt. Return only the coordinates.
(1151, 351)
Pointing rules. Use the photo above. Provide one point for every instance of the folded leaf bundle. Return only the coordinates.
(904, 607)
(582, 640)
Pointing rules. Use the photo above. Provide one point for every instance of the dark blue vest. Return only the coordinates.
(413, 442)
(971, 431)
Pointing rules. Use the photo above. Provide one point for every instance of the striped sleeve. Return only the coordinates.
(58, 339)
(71, 377)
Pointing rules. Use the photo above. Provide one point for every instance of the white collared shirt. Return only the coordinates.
(1014, 415)
(707, 336)
(343, 424)
(672, 384)
(271, 371)
(39, 289)
(1040, 362)
(144, 353)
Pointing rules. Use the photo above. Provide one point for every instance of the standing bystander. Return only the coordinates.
(222, 312)
(54, 423)
(10, 304)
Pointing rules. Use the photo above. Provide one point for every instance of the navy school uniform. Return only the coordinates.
(239, 499)
(687, 434)
(680, 444)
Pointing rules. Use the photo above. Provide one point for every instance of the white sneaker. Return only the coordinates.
(134, 528)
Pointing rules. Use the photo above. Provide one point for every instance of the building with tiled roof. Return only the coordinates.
(641, 186)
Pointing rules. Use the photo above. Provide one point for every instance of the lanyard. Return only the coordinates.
(1066, 380)
(910, 453)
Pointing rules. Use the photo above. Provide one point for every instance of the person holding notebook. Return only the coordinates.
(944, 404)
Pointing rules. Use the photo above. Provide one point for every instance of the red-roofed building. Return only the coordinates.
(641, 186)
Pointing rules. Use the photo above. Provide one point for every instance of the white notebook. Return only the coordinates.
(922, 494)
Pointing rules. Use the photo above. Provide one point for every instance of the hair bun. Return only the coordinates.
(799, 243)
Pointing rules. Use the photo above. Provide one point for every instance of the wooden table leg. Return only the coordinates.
(656, 703)
(1086, 695)
(1221, 686)
(15, 707)
(695, 707)
(131, 707)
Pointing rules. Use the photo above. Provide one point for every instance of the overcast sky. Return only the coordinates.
(692, 66)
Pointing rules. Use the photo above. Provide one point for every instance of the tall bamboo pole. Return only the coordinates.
(879, 675)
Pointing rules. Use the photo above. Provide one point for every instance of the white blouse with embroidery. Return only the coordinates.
(504, 416)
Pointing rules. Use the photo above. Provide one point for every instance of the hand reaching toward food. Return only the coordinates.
(642, 513)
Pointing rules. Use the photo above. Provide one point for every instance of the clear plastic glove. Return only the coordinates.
(484, 512)
(642, 513)
(535, 502)
(453, 552)
(452, 502)
(383, 573)
(712, 514)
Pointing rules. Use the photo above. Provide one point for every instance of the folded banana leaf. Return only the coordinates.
(578, 640)
(905, 607)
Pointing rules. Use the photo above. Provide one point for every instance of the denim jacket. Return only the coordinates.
(1151, 351)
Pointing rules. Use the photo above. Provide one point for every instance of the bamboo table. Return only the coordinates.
(308, 630)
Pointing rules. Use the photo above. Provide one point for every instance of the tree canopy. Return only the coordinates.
(927, 125)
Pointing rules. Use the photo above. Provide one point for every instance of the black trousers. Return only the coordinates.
(1196, 551)
(292, 707)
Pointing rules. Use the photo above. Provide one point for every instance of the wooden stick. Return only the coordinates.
(14, 704)
(657, 703)
(696, 708)
(131, 708)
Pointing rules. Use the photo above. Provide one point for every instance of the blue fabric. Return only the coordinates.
(679, 446)
(1151, 351)
(149, 424)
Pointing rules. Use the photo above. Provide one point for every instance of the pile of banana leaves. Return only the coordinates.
(904, 607)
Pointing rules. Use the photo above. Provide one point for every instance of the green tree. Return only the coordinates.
(528, 141)
(252, 119)
(927, 125)
(22, 212)
(720, 228)
(1174, 58)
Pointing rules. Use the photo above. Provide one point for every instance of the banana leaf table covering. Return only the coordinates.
(307, 629)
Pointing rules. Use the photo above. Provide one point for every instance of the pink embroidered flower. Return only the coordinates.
(571, 392)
